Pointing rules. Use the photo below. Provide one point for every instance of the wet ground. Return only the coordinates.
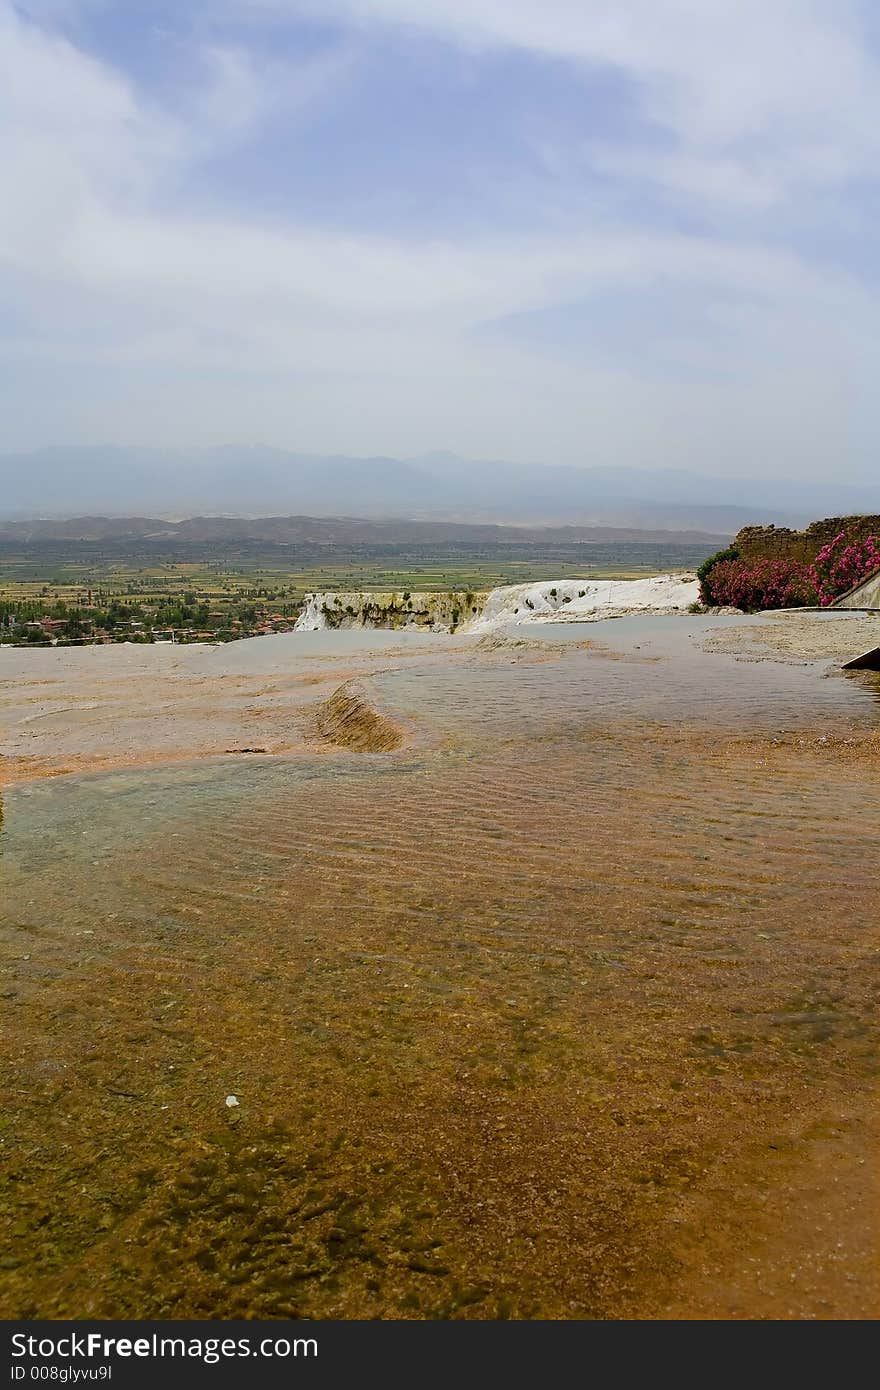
(564, 1006)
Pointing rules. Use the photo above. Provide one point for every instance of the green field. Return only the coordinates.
(70, 571)
(126, 589)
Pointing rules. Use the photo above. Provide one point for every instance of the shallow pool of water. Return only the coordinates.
(512, 1014)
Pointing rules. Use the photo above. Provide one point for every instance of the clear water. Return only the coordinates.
(506, 1012)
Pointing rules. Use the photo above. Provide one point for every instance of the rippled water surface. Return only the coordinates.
(509, 1013)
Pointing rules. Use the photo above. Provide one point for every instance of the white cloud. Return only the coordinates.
(321, 339)
(787, 90)
(238, 93)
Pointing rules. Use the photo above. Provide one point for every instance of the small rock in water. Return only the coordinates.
(231, 1101)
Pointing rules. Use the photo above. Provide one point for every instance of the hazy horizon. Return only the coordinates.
(256, 481)
(592, 235)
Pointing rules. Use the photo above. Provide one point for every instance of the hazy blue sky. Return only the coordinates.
(568, 231)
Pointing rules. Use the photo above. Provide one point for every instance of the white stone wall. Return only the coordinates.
(867, 595)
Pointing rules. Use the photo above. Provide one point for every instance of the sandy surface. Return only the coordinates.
(800, 636)
(100, 708)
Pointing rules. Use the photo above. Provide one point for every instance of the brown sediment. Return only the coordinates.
(18, 771)
(856, 747)
(348, 719)
(133, 717)
(138, 720)
(800, 1239)
(778, 749)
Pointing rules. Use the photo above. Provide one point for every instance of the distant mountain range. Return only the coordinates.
(257, 481)
(306, 531)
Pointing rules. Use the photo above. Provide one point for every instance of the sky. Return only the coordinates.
(589, 232)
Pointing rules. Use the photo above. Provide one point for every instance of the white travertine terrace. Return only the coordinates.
(551, 600)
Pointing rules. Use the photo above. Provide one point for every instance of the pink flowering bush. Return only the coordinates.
(842, 563)
(758, 584)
